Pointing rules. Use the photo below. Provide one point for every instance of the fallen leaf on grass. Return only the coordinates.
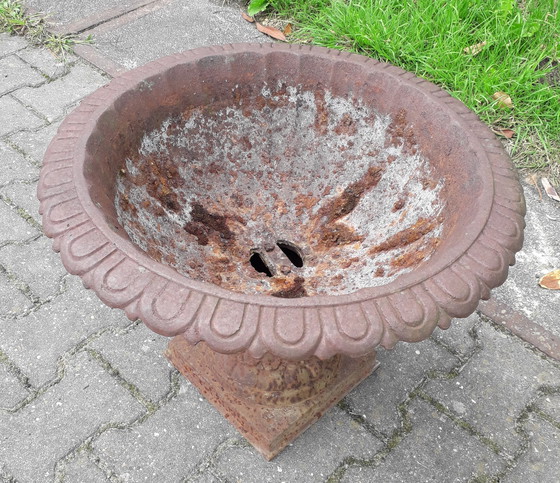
(474, 49)
(504, 101)
(271, 32)
(288, 29)
(550, 191)
(507, 133)
(551, 280)
(247, 17)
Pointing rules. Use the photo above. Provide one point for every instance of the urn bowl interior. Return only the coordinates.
(287, 175)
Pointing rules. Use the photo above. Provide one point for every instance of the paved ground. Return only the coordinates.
(86, 396)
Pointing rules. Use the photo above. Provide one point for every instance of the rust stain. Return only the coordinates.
(399, 204)
(127, 206)
(161, 177)
(322, 114)
(288, 288)
(204, 224)
(405, 237)
(346, 126)
(305, 202)
(328, 231)
(334, 235)
(350, 197)
(413, 258)
(379, 272)
(429, 183)
(400, 131)
(349, 262)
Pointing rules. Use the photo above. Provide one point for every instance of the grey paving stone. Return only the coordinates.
(11, 43)
(51, 99)
(35, 342)
(14, 227)
(5, 477)
(206, 477)
(458, 337)
(483, 393)
(46, 61)
(12, 301)
(178, 436)
(11, 389)
(187, 25)
(14, 166)
(35, 143)
(81, 470)
(65, 11)
(36, 437)
(311, 457)
(539, 256)
(435, 451)
(400, 372)
(43, 275)
(551, 406)
(138, 355)
(24, 195)
(541, 462)
(15, 73)
(15, 116)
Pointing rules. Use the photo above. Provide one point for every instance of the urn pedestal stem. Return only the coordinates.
(270, 400)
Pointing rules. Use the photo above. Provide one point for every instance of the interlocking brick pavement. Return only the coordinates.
(434, 449)
(15, 167)
(86, 395)
(479, 394)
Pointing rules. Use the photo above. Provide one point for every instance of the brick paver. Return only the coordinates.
(37, 435)
(401, 371)
(44, 277)
(326, 445)
(142, 363)
(435, 449)
(15, 116)
(33, 143)
(481, 393)
(14, 166)
(539, 463)
(17, 74)
(12, 301)
(181, 433)
(54, 98)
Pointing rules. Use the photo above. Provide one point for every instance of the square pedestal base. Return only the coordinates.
(269, 428)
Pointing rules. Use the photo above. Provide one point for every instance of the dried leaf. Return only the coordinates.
(504, 101)
(474, 49)
(507, 133)
(550, 191)
(288, 29)
(271, 32)
(534, 181)
(247, 17)
(551, 280)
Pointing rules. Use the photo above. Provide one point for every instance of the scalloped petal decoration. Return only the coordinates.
(93, 246)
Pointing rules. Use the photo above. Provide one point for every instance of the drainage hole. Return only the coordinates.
(291, 252)
(258, 264)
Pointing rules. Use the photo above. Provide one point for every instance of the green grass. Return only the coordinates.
(428, 37)
(16, 21)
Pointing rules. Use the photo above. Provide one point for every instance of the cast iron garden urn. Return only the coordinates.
(280, 211)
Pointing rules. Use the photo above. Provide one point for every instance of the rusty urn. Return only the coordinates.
(280, 211)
